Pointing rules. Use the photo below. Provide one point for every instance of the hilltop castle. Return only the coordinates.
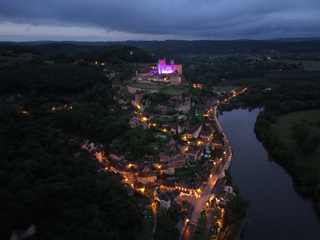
(163, 74)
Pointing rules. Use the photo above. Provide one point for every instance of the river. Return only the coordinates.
(276, 211)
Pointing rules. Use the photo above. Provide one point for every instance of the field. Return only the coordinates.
(172, 91)
(126, 93)
(311, 65)
(145, 85)
(308, 65)
(283, 129)
(190, 171)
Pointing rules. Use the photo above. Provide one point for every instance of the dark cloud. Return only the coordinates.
(208, 19)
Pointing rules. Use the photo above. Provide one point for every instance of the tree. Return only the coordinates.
(237, 206)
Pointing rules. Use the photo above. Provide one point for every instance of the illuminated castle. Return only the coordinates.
(165, 69)
(163, 74)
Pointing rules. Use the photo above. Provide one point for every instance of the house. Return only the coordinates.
(117, 154)
(145, 177)
(167, 170)
(218, 192)
(95, 149)
(167, 186)
(182, 145)
(194, 131)
(138, 186)
(163, 199)
(182, 223)
(174, 154)
(216, 142)
(177, 163)
(187, 187)
(193, 153)
(152, 187)
(164, 158)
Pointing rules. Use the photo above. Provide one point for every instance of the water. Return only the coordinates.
(277, 212)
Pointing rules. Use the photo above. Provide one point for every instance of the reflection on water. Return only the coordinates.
(276, 211)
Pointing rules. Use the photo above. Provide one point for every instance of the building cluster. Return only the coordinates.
(162, 74)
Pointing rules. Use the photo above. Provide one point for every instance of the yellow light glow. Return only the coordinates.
(187, 220)
(53, 109)
(102, 64)
(96, 62)
(138, 106)
(164, 130)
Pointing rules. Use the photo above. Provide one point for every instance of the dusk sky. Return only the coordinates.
(105, 20)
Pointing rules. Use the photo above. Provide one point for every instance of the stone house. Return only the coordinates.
(145, 177)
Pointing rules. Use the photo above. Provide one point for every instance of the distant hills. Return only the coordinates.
(175, 47)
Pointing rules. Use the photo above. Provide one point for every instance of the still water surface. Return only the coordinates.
(277, 212)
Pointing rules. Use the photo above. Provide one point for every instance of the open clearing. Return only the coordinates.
(145, 85)
(172, 91)
(283, 129)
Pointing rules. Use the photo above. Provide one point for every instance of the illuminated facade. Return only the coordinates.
(165, 69)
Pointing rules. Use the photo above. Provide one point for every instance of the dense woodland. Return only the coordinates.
(65, 198)
(41, 182)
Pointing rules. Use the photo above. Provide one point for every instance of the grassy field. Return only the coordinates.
(126, 93)
(172, 91)
(308, 65)
(145, 85)
(311, 65)
(190, 171)
(283, 129)
(146, 231)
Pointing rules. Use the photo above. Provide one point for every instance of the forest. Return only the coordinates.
(48, 103)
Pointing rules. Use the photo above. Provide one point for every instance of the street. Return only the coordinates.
(199, 203)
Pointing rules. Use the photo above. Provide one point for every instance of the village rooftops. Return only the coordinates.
(147, 174)
(166, 183)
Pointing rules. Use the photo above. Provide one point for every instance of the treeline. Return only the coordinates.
(117, 54)
(65, 198)
(38, 78)
(172, 48)
(40, 182)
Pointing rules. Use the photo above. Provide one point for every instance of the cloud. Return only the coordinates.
(192, 19)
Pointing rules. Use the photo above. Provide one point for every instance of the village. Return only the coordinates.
(186, 174)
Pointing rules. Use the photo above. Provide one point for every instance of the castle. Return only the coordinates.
(163, 74)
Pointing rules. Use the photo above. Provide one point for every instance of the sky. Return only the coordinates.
(120, 20)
